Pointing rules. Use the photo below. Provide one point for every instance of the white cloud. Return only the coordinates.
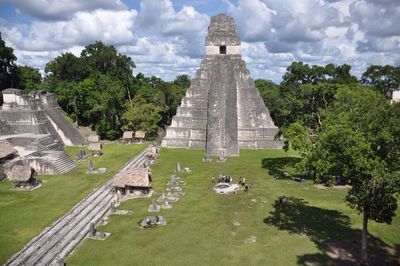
(83, 28)
(153, 13)
(378, 21)
(284, 20)
(253, 18)
(318, 32)
(154, 57)
(187, 20)
(165, 41)
(62, 9)
(187, 26)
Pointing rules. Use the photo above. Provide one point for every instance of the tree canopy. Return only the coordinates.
(98, 89)
(382, 78)
(8, 72)
(303, 94)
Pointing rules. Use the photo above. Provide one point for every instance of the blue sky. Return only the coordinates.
(166, 38)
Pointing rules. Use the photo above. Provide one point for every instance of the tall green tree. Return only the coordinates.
(98, 100)
(300, 73)
(183, 81)
(174, 92)
(8, 71)
(67, 67)
(273, 99)
(359, 143)
(382, 78)
(304, 93)
(29, 78)
(143, 116)
(93, 87)
(106, 60)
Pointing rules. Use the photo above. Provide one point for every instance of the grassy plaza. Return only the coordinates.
(204, 228)
(23, 214)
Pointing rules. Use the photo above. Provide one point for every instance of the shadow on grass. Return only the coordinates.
(278, 167)
(331, 232)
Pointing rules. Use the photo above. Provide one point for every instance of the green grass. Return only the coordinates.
(200, 228)
(24, 214)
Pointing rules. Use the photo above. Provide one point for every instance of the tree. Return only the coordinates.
(143, 116)
(7, 66)
(29, 78)
(106, 60)
(304, 93)
(93, 88)
(99, 100)
(174, 92)
(382, 78)
(273, 99)
(183, 81)
(67, 67)
(300, 73)
(359, 142)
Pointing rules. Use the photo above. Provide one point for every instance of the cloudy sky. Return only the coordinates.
(166, 38)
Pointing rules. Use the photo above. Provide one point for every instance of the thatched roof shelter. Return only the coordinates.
(6, 150)
(20, 173)
(95, 146)
(140, 134)
(128, 135)
(94, 138)
(133, 177)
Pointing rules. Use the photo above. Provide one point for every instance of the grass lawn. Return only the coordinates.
(310, 227)
(24, 214)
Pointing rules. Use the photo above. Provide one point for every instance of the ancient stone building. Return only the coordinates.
(222, 110)
(35, 126)
(38, 113)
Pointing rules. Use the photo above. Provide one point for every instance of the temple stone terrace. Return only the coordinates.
(34, 125)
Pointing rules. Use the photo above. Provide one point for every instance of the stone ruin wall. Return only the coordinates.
(35, 126)
(39, 113)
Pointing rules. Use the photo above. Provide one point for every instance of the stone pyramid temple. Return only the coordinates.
(222, 111)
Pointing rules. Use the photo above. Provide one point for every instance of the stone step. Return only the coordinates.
(82, 233)
(67, 232)
(52, 233)
(5, 141)
(55, 146)
(63, 163)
